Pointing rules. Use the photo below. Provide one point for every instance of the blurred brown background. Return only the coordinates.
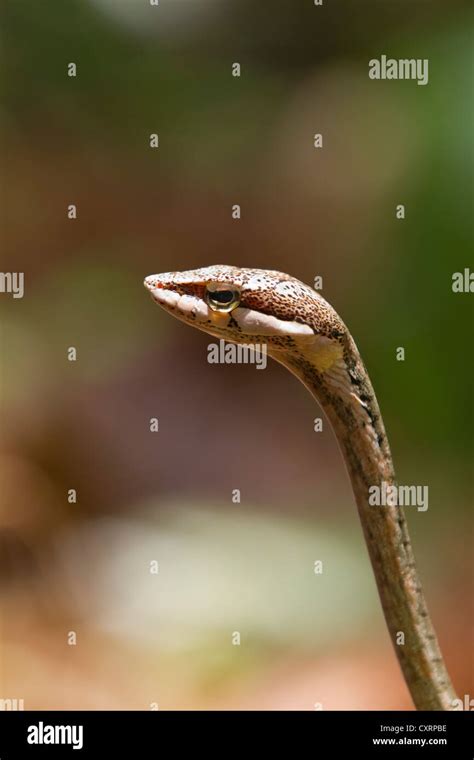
(225, 567)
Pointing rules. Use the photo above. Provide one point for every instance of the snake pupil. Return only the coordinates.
(221, 298)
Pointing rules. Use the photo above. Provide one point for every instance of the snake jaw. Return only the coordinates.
(184, 302)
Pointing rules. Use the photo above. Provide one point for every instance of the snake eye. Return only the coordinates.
(222, 297)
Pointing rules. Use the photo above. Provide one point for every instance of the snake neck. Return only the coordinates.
(345, 393)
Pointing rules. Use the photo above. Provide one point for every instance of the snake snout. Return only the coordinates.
(152, 281)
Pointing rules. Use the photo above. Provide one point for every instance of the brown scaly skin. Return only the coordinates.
(325, 358)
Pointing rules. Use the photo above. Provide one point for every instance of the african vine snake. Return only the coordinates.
(303, 332)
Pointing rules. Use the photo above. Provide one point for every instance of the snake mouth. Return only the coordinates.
(190, 308)
(153, 282)
(161, 294)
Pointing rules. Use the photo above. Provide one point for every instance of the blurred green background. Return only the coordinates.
(225, 567)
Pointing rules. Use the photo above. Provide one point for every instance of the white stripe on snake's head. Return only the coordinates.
(247, 306)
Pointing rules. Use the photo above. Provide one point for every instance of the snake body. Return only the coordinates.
(302, 331)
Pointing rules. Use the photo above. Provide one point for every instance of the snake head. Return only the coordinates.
(253, 306)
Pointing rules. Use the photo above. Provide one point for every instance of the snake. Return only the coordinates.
(302, 331)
